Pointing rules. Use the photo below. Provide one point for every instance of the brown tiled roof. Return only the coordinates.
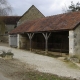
(24, 27)
(10, 19)
(65, 21)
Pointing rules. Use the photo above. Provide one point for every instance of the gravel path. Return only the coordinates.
(2, 77)
(44, 63)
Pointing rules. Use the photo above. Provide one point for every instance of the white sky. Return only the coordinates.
(47, 7)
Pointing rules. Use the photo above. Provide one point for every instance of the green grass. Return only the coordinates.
(43, 76)
(71, 64)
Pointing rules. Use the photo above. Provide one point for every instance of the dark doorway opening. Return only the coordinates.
(38, 42)
(59, 42)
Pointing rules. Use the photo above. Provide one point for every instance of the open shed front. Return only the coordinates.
(45, 41)
(59, 42)
(56, 42)
(38, 42)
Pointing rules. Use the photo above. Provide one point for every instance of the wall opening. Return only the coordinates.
(38, 41)
(59, 42)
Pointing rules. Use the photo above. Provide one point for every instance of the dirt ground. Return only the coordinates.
(14, 69)
(25, 61)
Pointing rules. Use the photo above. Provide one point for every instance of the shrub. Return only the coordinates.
(6, 53)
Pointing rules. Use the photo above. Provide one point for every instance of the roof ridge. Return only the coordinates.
(29, 9)
(63, 13)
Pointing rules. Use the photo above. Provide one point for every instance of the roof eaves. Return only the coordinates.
(76, 25)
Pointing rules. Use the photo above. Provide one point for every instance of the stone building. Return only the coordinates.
(57, 33)
(11, 22)
(7, 24)
(31, 14)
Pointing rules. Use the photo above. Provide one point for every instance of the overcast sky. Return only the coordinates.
(47, 7)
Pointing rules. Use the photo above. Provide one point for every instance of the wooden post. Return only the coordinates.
(46, 36)
(30, 35)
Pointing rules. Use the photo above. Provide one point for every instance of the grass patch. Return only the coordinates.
(71, 64)
(44, 76)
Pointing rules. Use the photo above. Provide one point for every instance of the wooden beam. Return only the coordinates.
(46, 36)
(30, 35)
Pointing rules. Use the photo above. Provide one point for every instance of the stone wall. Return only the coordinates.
(10, 28)
(71, 42)
(32, 14)
(4, 37)
(23, 41)
(74, 42)
(77, 41)
(2, 30)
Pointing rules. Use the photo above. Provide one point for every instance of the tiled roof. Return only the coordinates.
(24, 27)
(66, 21)
(10, 19)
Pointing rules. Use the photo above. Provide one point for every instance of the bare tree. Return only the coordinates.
(64, 9)
(5, 8)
